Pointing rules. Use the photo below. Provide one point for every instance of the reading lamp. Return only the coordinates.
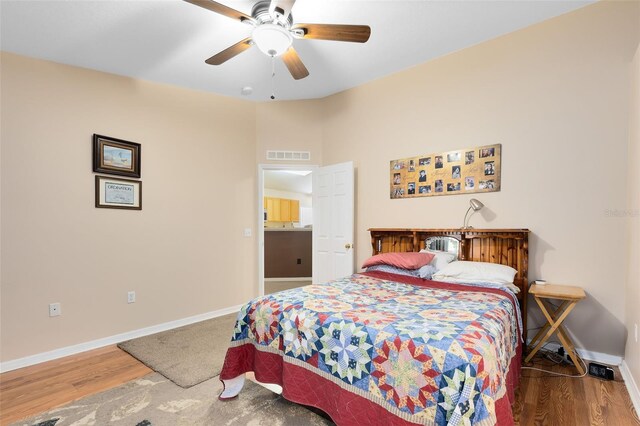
(475, 205)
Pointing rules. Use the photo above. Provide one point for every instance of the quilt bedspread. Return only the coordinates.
(409, 350)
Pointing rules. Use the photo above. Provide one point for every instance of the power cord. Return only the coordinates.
(554, 357)
(549, 355)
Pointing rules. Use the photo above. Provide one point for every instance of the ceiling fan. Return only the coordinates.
(273, 32)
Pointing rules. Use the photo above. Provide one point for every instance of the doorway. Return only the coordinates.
(285, 225)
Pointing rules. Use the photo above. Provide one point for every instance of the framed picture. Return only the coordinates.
(116, 193)
(116, 156)
(462, 171)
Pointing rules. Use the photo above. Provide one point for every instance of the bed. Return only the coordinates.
(382, 348)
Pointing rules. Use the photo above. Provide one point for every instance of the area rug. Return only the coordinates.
(187, 355)
(155, 401)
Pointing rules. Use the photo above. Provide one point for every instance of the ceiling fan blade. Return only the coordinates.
(283, 6)
(221, 9)
(230, 52)
(336, 32)
(294, 64)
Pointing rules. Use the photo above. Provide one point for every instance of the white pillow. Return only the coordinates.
(440, 258)
(476, 272)
(514, 288)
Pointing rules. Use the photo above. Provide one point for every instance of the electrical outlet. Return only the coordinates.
(55, 309)
(131, 297)
(600, 371)
(564, 355)
(247, 232)
(299, 262)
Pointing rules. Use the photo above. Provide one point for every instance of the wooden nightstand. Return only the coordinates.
(570, 296)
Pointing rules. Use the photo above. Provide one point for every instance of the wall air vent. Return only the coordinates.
(289, 155)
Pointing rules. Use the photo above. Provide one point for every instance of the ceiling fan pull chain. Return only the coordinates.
(273, 77)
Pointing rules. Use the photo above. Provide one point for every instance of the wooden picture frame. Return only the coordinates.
(118, 193)
(116, 156)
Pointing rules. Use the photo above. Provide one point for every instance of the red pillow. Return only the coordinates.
(408, 260)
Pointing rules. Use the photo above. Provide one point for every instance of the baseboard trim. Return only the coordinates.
(600, 357)
(631, 384)
(589, 355)
(288, 279)
(106, 341)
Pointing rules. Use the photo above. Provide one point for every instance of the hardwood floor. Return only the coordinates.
(542, 399)
(545, 399)
(32, 390)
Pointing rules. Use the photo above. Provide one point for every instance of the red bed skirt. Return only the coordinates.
(345, 408)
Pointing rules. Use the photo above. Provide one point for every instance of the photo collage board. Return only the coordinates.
(463, 171)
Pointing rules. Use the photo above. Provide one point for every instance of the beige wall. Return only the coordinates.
(289, 125)
(198, 171)
(632, 352)
(556, 96)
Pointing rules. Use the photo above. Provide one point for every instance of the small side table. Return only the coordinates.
(570, 296)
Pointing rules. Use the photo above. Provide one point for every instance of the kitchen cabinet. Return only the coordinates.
(269, 207)
(295, 211)
(287, 253)
(281, 209)
(285, 210)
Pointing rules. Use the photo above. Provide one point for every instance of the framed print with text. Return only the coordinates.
(116, 193)
(116, 156)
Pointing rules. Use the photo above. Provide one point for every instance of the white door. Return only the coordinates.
(333, 213)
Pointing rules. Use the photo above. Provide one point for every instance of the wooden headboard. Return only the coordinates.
(505, 246)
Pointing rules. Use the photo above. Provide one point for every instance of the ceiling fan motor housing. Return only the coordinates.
(260, 12)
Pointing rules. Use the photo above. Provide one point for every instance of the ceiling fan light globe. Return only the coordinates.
(271, 39)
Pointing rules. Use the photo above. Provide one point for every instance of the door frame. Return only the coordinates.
(261, 169)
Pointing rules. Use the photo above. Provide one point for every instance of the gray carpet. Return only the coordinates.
(187, 355)
(155, 401)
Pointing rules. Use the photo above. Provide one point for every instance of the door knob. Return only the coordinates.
(348, 246)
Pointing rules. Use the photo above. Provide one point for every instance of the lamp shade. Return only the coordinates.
(475, 204)
(272, 39)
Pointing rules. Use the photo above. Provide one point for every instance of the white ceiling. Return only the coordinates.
(283, 180)
(168, 41)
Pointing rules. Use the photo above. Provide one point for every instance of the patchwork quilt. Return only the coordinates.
(379, 348)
